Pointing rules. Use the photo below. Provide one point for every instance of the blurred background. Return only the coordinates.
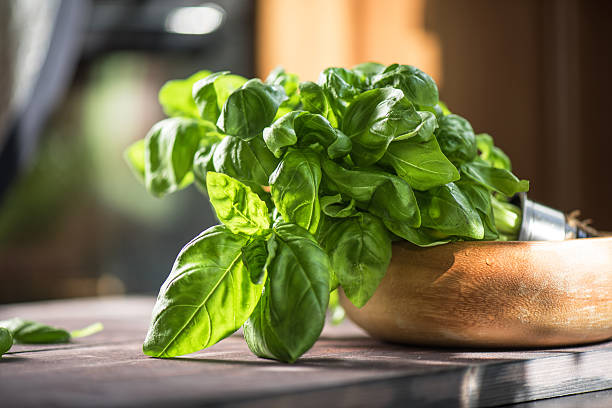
(79, 82)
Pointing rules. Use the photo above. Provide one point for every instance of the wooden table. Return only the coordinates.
(345, 368)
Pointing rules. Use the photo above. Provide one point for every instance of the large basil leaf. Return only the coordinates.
(314, 100)
(290, 83)
(134, 155)
(374, 119)
(480, 198)
(500, 180)
(304, 129)
(291, 313)
(247, 161)
(207, 296)
(175, 96)
(170, 147)
(210, 93)
(237, 207)
(418, 87)
(421, 164)
(6, 341)
(360, 251)
(295, 189)
(456, 138)
(250, 108)
(384, 195)
(447, 210)
(29, 332)
(492, 154)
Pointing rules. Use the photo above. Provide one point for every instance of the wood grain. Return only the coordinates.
(494, 294)
(345, 368)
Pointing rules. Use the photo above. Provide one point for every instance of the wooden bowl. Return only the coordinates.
(493, 294)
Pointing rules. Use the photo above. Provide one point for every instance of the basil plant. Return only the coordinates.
(311, 183)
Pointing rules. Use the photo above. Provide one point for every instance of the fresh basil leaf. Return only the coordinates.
(170, 147)
(134, 155)
(175, 96)
(492, 154)
(447, 210)
(254, 257)
(247, 161)
(207, 296)
(359, 249)
(210, 93)
(382, 194)
(236, 205)
(29, 332)
(424, 237)
(335, 207)
(500, 180)
(480, 199)
(87, 331)
(6, 341)
(250, 108)
(304, 129)
(295, 188)
(374, 119)
(291, 312)
(290, 83)
(314, 100)
(421, 164)
(340, 86)
(367, 71)
(417, 86)
(456, 138)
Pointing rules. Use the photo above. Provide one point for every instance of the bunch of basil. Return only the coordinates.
(312, 182)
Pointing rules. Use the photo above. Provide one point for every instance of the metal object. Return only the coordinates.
(542, 223)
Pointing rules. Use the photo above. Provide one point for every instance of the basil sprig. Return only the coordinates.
(311, 182)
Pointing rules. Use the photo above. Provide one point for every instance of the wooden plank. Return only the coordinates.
(345, 368)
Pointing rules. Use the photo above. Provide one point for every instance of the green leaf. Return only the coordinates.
(250, 108)
(421, 164)
(290, 83)
(367, 71)
(6, 341)
(134, 156)
(500, 180)
(374, 119)
(175, 96)
(335, 207)
(247, 161)
(382, 194)
(304, 129)
(492, 154)
(480, 199)
(236, 205)
(360, 251)
(295, 189)
(170, 147)
(254, 257)
(424, 237)
(447, 210)
(207, 296)
(29, 332)
(210, 93)
(456, 138)
(340, 86)
(314, 100)
(291, 313)
(87, 331)
(508, 218)
(417, 86)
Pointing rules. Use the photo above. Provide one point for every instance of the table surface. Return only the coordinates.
(344, 368)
